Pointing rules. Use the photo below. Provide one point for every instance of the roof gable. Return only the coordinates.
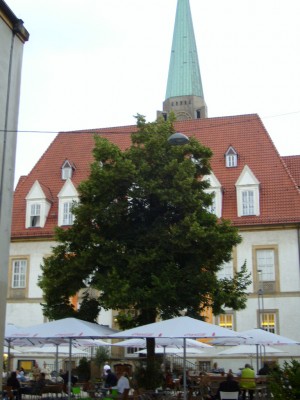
(68, 190)
(247, 178)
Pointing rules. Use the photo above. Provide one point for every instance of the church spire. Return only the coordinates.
(184, 94)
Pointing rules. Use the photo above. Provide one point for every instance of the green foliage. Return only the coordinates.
(102, 354)
(84, 369)
(148, 376)
(143, 236)
(285, 381)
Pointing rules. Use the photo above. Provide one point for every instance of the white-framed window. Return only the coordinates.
(265, 261)
(231, 158)
(213, 207)
(67, 198)
(38, 204)
(226, 271)
(268, 321)
(68, 217)
(215, 190)
(247, 192)
(66, 170)
(19, 271)
(226, 320)
(248, 202)
(35, 214)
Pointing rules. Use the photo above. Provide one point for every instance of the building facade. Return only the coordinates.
(253, 186)
(13, 35)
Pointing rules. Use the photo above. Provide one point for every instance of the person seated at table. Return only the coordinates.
(15, 384)
(111, 379)
(36, 387)
(247, 381)
(169, 383)
(188, 380)
(229, 385)
(265, 370)
(123, 383)
(216, 370)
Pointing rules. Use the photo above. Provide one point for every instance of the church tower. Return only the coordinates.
(184, 94)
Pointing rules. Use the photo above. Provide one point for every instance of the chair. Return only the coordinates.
(76, 391)
(125, 394)
(8, 392)
(229, 395)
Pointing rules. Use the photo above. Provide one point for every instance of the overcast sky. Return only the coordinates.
(97, 63)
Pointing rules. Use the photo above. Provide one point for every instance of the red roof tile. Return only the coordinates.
(279, 196)
(293, 164)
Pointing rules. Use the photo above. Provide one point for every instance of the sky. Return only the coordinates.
(98, 63)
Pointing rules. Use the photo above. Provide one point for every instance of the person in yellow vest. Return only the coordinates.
(247, 381)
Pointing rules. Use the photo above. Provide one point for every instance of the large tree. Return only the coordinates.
(143, 236)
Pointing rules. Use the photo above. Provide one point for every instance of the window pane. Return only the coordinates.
(248, 202)
(19, 273)
(268, 322)
(67, 214)
(226, 321)
(226, 271)
(266, 265)
(212, 208)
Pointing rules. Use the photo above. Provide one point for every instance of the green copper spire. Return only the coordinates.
(184, 79)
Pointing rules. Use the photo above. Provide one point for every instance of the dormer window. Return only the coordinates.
(38, 203)
(247, 191)
(231, 157)
(215, 190)
(35, 214)
(67, 198)
(67, 170)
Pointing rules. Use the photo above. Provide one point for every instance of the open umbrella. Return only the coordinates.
(260, 336)
(180, 327)
(248, 350)
(62, 330)
(173, 350)
(164, 345)
(257, 337)
(162, 342)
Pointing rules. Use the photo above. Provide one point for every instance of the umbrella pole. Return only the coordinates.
(257, 358)
(184, 369)
(56, 362)
(70, 369)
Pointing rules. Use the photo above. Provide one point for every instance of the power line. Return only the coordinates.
(94, 130)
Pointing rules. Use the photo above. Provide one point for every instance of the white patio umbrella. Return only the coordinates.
(12, 351)
(180, 327)
(257, 337)
(51, 350)
(10, 331)
(173, 350)
(260, 336)
(248, 350)
(164, 345)
(162, 342)
(62, 330)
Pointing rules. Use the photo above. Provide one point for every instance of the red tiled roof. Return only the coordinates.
(293, 164)
(279, 196)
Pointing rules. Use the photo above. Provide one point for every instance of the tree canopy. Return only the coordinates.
(143, 236)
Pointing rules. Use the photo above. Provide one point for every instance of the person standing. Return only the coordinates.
(111, 379)
(105, 368)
